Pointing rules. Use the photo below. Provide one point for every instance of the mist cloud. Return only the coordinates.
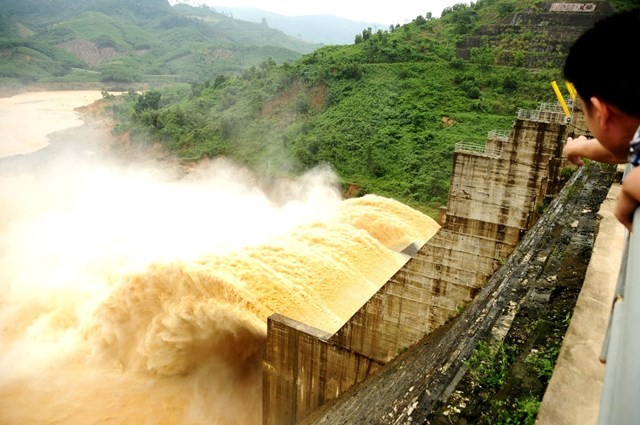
(125, 288)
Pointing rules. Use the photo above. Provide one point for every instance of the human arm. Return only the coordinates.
(629, 198)
(577, 149)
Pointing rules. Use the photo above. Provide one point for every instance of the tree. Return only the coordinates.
(462, 15)
(420, 20)
(303, 104)
(483, 56)
(510, 82)
(366, 34)
(149, 100)
(506, 9)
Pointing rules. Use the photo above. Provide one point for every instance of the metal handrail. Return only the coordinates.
(477, 148)
(498, 135)
(547, 112)
(555, 106)
(542, 116)
(470, 147)
(619, 403)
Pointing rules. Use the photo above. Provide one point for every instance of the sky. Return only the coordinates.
(382, 12)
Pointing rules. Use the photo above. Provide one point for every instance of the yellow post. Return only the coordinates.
(572, 90)
(556, 89)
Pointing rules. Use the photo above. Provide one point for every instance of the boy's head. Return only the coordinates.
(603, 62)
(602, 65)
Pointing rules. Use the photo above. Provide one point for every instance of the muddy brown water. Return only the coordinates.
(128, 296)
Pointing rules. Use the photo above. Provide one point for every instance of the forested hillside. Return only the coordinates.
(124, 42)
(386, 111)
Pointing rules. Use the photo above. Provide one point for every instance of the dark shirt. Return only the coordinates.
(634, 149)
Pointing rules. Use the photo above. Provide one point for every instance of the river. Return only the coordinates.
(27, 119)
(130, 294)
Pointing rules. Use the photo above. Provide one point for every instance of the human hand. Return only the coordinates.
(574, 150)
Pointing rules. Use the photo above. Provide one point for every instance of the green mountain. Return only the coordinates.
(384, 112)
(39, 14)
(120, 41)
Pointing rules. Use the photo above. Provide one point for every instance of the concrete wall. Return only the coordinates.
(302, 369)
(550, 259)
(492, 201)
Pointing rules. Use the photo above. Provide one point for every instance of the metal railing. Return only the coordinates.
(470, 147)
(542, 116)
(482, 148)
(478, 148)
(547, 112)
(498, 135)
(556, 107)
(620, 402)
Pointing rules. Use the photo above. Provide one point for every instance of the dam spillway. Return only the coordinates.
(497, 191)
(121, 322)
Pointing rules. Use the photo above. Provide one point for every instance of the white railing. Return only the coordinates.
(555, 106)
(542, 116)
(620, 402)
(498, 135)
(477, 148)
(547, 112)
(469, 147)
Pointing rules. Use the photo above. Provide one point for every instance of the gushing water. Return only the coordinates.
(128, 296)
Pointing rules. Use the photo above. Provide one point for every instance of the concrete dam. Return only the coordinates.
(498, 191)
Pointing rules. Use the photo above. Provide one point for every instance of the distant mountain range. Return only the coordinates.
(123, 41)
(325, 29)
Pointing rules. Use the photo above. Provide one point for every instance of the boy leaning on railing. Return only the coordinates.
(601, 64)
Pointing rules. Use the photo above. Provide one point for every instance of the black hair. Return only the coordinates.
(604, 62)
